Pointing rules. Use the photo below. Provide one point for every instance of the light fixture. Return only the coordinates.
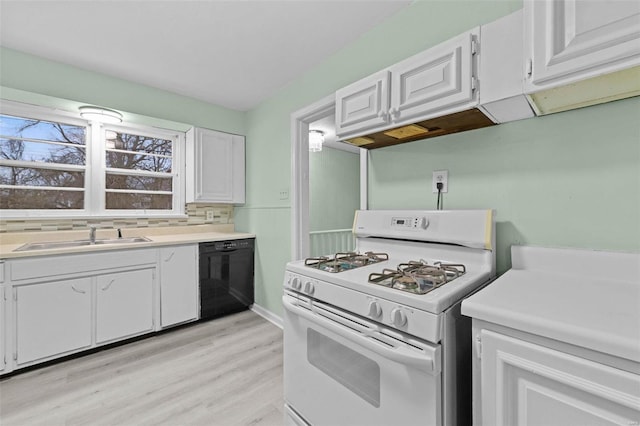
(101, 115)
(316, 139)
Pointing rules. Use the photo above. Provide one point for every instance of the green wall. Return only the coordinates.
(570, 179)
(28, 78)
(334, 189)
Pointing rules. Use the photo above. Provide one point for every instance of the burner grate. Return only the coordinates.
(341, 262)
(417, 276)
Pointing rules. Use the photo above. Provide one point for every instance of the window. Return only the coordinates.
(43, 164)
(54, 164)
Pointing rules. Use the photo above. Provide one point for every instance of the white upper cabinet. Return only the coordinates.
(215, 167)
(435, 82)
(571, 40)
(363, 104)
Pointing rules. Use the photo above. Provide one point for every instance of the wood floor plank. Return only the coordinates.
(222, 372)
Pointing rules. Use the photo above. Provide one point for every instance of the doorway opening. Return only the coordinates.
(320, 116)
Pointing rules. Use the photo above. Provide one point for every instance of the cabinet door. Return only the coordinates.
(363, 105)
(52, 319)
(124, 304)
(527, 384)
(434, 80)
(215, 167)
(3, 324)
(178, 284)
(569, 40)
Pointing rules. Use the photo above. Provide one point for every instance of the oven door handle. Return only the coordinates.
(428, 361)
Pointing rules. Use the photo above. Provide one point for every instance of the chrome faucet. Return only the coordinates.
(92, 234)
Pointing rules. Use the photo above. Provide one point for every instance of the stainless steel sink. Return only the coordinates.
(79, 243)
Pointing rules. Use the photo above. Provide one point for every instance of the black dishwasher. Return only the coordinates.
(226, 277)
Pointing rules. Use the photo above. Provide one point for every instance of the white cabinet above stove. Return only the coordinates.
(581, 53)
(471, 81)
(439, 81)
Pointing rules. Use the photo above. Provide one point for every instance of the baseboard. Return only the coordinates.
(266, 314)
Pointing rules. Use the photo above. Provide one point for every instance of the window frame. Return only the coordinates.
(95, 167)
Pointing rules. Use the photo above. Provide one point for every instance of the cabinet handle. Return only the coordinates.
(73, 287)
(393, 113)
(105, 288)
(170, 256)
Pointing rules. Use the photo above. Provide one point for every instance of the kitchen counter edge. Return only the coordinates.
(168, 239)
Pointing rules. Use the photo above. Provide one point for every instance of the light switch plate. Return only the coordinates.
(440, 176)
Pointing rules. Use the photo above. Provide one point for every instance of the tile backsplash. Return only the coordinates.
(196, 215)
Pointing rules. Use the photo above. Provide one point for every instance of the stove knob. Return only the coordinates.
(309, 288)
(398, 318)
(295, 283)
(375, 310)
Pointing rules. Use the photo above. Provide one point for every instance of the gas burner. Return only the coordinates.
(404, 282)
(418, 277)
(341, 262)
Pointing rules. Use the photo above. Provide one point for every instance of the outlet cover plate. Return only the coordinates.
(440, 176)
(209, 215)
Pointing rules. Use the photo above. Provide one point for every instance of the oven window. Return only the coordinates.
(354, 371)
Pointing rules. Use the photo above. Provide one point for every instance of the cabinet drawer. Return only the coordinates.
(49, 266)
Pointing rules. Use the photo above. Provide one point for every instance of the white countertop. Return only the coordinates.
(588, 310)
(160, 236)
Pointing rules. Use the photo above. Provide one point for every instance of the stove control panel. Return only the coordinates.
(415, 222)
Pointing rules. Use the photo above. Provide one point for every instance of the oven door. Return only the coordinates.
(340, 369)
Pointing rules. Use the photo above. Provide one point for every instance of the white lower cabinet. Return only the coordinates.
(124, 304)
(52, 318)
(178, 284)
(525, 383)
(53, 306)
(3, 323)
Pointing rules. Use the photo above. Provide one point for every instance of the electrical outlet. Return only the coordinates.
(284, 194)
(209, 215)
(440, 176)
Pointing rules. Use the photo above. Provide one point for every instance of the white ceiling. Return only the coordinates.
(234, 53)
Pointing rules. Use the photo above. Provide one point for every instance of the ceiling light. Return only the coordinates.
(316, 139)
(101, 115)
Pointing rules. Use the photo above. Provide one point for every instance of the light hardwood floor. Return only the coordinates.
(222, 372)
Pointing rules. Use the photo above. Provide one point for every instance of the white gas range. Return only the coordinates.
(376, 337)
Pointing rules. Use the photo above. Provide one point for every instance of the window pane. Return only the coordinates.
(40, 177)
(122, 160)
(138, 143)
(30, 199)
(146, 183)
(121, 201)
(14, 149)
(18, 128)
